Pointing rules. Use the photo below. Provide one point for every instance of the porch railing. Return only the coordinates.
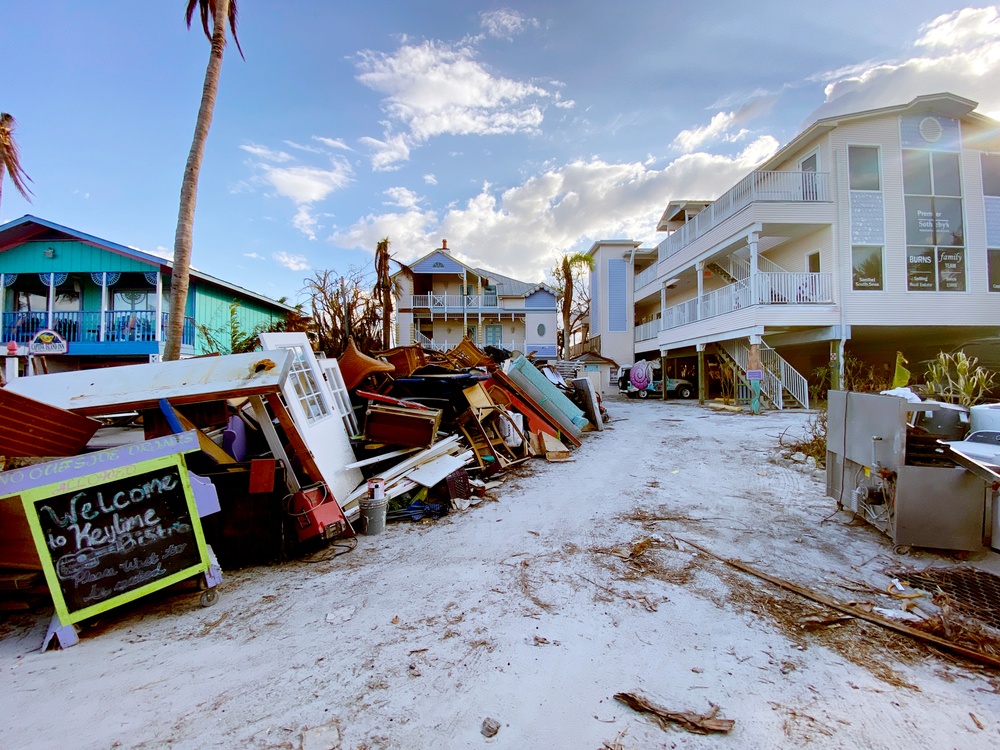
(645, 276)
(647, 330)
(85, 326)
(786, 287)
(795, 187)
(452, 301)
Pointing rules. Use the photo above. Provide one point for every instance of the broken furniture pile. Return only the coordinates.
(281, 450)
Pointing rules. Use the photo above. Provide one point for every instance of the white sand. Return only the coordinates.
(518, 610)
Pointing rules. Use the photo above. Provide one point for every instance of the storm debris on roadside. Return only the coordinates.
(274, 455)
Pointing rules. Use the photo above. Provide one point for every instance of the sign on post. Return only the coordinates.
(112, 526)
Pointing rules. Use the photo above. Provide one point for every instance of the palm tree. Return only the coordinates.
(566, 274)
(220, 11)
(383, 288)
(10, 159)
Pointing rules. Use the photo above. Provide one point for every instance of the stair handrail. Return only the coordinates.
(770, 385)
(791, 379)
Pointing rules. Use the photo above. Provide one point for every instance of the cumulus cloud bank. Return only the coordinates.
(433, 89)
(957, 52)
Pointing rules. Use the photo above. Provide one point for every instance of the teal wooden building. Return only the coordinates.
(108, 301)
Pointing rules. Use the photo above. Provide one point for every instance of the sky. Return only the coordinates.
(516, 131)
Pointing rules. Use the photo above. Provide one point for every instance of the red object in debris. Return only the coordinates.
(316, 513)
(390, 400)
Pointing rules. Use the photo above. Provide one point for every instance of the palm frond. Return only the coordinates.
(10, 157)
(206, 10)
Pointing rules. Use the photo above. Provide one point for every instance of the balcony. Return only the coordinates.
(773, 288)
(647, 330)
(86, 331)
(454, 302)
(786, 187)
(645, 276)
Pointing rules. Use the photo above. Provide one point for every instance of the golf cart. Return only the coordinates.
(644, 379)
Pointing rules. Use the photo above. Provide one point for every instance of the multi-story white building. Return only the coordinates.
(444, 300)
(869, 233)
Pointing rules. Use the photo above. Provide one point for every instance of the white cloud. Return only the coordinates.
(309, 184)
(430, 179)
(387, 154)
(518, 231)
(262, 152)
(332, 143)
(718, 129)
(255, 256)
(506, 23)
(402, 197)
(291, 262)
(957, 52)
(433, 89)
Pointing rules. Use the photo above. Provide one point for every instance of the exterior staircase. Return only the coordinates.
(782, 385)
(722, 272)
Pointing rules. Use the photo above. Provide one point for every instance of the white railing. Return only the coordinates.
(788, 376)
(795, 187)
(446, 345)
(647, 330)
(797, 288)
(728, 298)
(770, 386)
(452, 301)
(782, 288)
(645, 276)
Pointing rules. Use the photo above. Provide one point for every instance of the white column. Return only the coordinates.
(700, 268)
(103, 334)
(754, 272)
(159, 305)
(52, 299)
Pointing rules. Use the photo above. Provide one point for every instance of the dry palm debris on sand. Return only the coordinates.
(692, 722)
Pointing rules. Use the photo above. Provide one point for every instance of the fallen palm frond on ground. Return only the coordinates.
(692, 722)
(948, 645)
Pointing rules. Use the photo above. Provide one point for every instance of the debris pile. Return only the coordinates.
(255, 458)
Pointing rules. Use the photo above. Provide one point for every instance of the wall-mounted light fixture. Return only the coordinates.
(50, 252)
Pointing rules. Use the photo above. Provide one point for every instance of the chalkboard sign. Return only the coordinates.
(113, 526)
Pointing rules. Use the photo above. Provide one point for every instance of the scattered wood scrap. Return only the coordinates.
(855, 611)
(696, 723)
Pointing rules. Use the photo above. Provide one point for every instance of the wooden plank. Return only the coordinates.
(847, 609)
(305, 456)
(179, 423)
(34, 428)
(530, 408)
(137, 387)
(380, 458)
(274, 443)
(435, 471)
(262, 475)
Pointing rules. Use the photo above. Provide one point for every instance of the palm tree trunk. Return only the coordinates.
(183, 237)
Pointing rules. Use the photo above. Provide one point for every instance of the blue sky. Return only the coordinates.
(516, 131)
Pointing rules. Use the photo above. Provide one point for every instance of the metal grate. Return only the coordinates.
(974, 593)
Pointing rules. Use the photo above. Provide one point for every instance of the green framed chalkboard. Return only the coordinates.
(112, 527)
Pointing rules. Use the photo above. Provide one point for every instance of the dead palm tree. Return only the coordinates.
(220, 12)
(383, 288)
(10, 158)
(569, 268)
